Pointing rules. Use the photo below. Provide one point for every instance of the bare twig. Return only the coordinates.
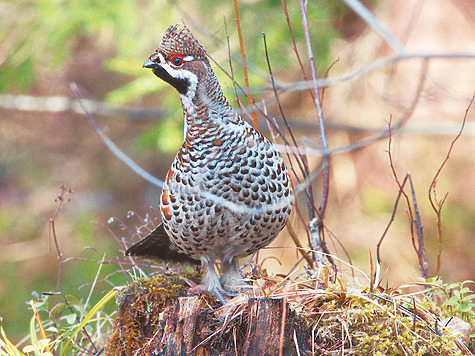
(414, 218)
(241, 208)
(321, 124)
(63, 103)
(231, 63)
(378, 246)
(244, 65)
(369, 18)
(302, 69)
(64, 192)
(323, 138)
(401, 189)
(421, 250)
(273, 126)
(377, 64)
(301, 158)
(111, 145)
(438, 204)
(297, 243)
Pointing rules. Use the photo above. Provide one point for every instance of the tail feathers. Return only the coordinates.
(157, 245)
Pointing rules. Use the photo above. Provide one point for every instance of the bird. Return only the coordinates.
(228, 192)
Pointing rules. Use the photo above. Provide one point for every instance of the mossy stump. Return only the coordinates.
(156, 317)
(163, 324)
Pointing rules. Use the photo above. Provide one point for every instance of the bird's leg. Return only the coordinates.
(230, 275)
(211, 281)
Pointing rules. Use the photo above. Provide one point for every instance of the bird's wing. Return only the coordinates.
(157, 245)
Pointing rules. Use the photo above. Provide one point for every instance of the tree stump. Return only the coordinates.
(191, 328)
(187, 325)
(155, 317)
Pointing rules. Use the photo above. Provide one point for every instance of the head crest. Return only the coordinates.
(180, 41)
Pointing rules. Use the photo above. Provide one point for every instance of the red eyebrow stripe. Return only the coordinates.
(173, 56)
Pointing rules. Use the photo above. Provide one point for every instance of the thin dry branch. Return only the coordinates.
(393, 215)
(64, 192)
(317, 238)
(61, 104)
(244, 65)
(297, 243)
(300, 157)
(412, 212)
(369, 18)
(302, 69)
(240, 208)
(421, 251)
(236, 96)
(438, 204)
(53, 104)
(376, 65)
(273, 126)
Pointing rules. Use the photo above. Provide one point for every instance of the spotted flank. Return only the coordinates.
(222, 158)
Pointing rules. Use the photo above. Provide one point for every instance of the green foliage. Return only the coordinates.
(458, 300)
(43, 38)
(47, 34)
(166, 136)
(255, 18)
(68, 325)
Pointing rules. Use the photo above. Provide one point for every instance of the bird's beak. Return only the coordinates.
(149, 64)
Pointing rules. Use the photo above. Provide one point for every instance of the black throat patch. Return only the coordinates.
(180, 84)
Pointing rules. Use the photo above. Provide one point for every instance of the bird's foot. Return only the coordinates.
(221, 295)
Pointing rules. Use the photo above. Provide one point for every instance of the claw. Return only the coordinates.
(219, 294)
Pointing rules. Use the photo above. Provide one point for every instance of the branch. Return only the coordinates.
(321, 124)
(63, 103)
(301, 157)
(244, 65)
(414, 222)
(111, 145)
(377, 64)
(421, 250)
(393, 214)
(64, 192)
(434, 202)
(52, 104)
(318, 236)
(369, 18)
(240, 208)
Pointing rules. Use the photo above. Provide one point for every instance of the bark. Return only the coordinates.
(190, 327)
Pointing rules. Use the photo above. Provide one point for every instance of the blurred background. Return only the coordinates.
(45, 141)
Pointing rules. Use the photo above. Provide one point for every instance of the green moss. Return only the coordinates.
(139, 308)
(369, 325)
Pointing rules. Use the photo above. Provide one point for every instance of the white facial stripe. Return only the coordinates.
(188, 58)
(162, 59)
(192, 78)
(187, 99)
(183, 74)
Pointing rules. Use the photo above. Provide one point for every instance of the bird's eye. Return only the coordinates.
(176, 59)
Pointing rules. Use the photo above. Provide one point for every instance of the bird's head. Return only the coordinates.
(179, 60)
